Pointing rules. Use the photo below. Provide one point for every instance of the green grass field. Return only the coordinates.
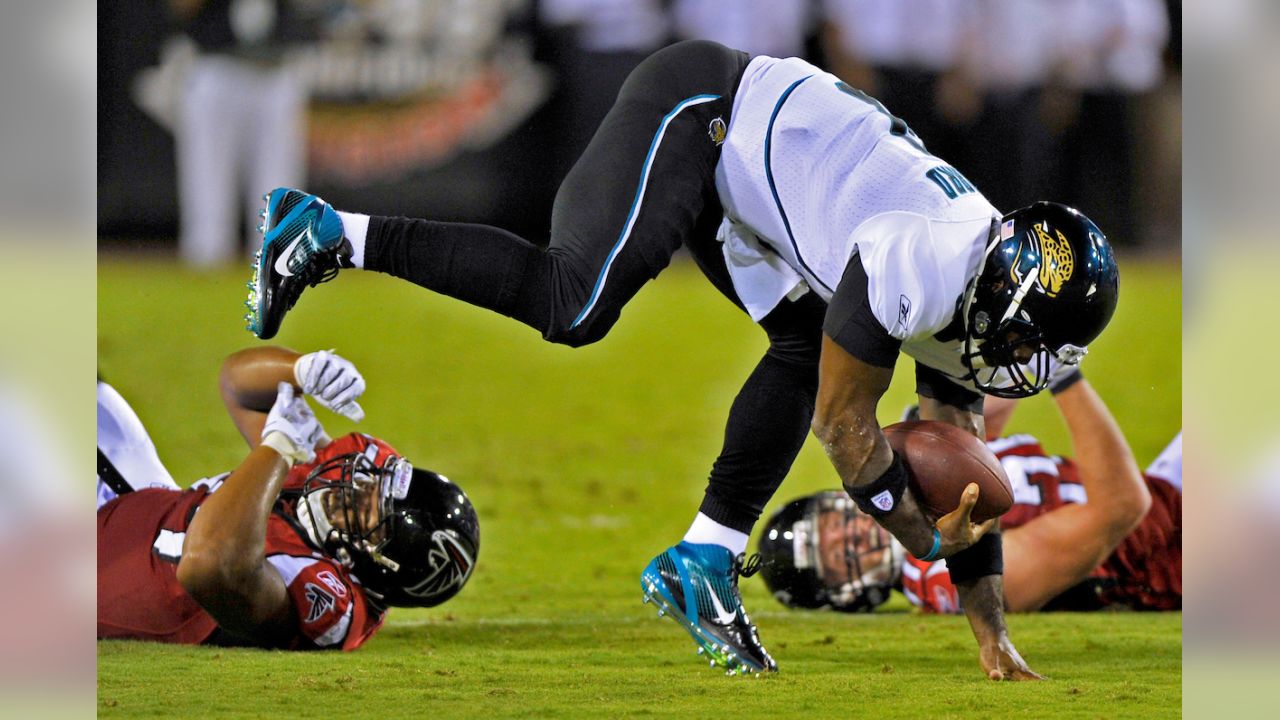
(582, 465)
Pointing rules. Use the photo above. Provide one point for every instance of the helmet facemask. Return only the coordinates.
(1007, 354)
(856, 558)
(347, 506)
(830, 554)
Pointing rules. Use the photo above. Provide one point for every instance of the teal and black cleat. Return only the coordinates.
(302, 245)
(697, 585)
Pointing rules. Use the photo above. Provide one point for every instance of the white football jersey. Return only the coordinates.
(814, 172)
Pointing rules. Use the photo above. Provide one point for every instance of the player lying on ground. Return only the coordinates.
(303, 546)
(1082, 534)
(822, 216)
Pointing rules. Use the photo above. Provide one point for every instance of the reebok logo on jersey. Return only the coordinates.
(332, 582)
(904, 314)
(319, 601)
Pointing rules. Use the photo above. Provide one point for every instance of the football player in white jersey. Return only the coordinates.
(822, 216)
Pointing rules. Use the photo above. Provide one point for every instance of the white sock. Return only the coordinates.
(355, 227)
(705, 531)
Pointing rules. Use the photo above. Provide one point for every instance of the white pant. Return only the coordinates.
(1168, 466)
(239, 134)
(123, 439)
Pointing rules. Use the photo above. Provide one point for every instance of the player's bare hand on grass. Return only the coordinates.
(1001, 661)
(958, 531)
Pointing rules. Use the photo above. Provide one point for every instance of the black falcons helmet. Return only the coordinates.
(792, 557)
(1047, 288)
(423, 548)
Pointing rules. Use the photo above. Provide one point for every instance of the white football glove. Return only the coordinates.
(1063, 375)
(332, 380)
(292, 429)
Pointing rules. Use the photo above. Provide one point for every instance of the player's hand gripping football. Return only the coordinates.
(957, 530)
(1001, 661)
(292, 429)
(332, 380)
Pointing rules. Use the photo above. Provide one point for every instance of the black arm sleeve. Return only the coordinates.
(852, 325)
(933, 384)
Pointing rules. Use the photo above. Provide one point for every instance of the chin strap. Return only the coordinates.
(1019, 296)
(311, 514)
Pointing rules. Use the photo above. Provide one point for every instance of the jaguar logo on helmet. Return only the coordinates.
(1057, 262)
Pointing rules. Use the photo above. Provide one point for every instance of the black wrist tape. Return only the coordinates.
(1066, 381)
(985, 557)
(879, 497)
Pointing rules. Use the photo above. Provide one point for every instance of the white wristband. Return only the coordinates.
(281, 443)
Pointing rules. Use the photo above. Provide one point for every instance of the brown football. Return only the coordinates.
(942, 460)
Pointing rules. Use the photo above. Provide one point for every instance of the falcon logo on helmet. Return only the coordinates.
(452, 567)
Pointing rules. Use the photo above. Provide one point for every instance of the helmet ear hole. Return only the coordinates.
(981, 322)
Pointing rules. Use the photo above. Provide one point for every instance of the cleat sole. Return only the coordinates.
(717, 653)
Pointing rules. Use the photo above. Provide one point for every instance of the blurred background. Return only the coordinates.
(474, 110)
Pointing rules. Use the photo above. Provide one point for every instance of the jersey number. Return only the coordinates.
(950, 180)
(1022, 472)
(897, 126)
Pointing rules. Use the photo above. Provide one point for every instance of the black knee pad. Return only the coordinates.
(688, 67)
(795, 332)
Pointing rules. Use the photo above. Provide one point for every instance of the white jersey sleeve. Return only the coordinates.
(917, 268)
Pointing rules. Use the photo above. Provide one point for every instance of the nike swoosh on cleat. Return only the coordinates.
(282, 260)
(724, 616)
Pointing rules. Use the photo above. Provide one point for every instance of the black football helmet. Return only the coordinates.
(796, 555)
(1047, 288)
(424, 544)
